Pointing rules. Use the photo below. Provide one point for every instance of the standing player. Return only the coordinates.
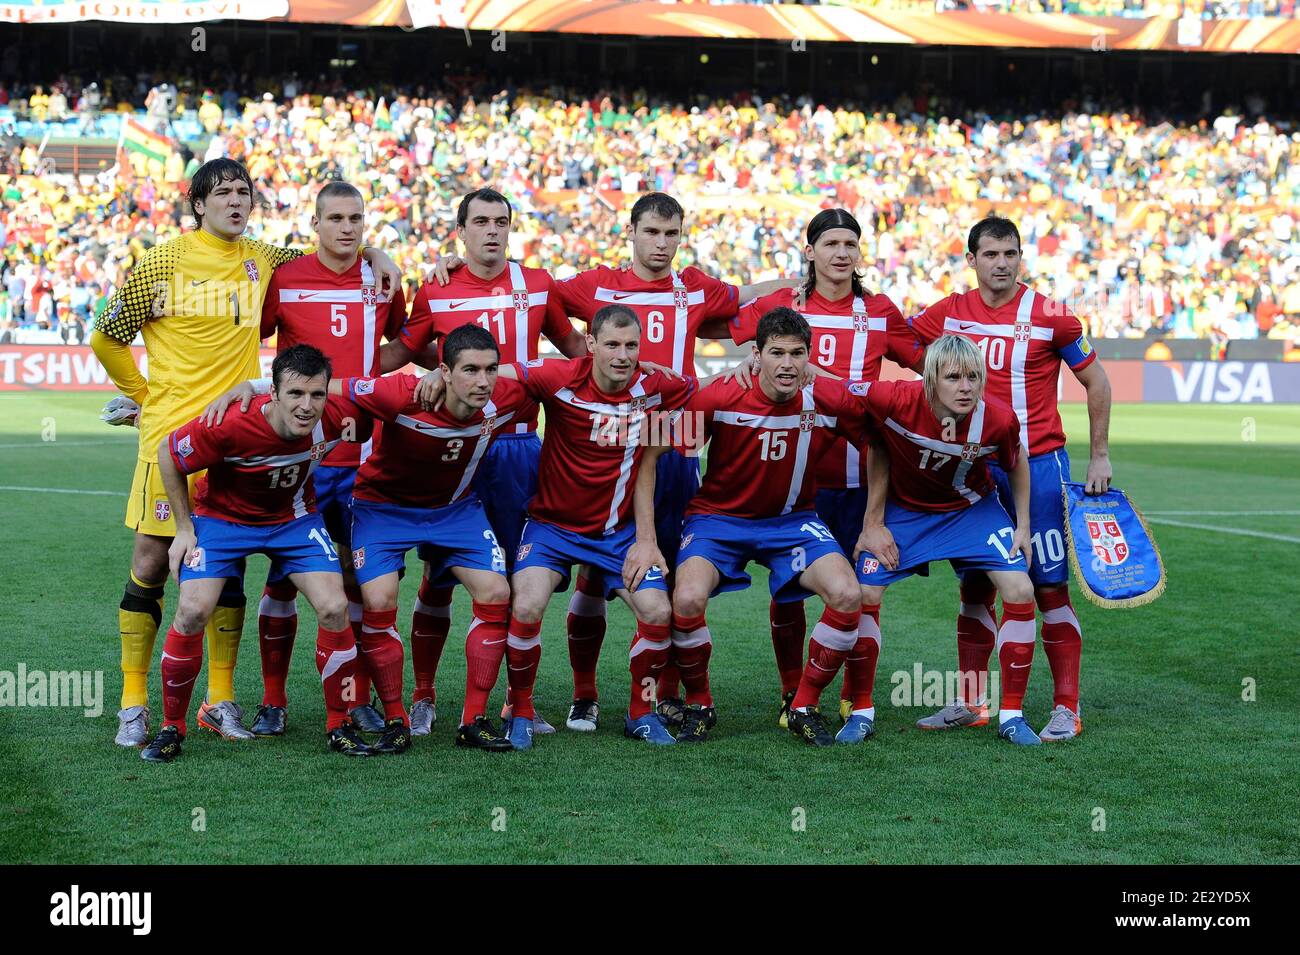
(942, 437)
(416, 490)
(196, 300)
(517, 305)
(853, 330)
(257, 497)
(673, 309)
(1024, 337)
(327, 300)
(756, 503)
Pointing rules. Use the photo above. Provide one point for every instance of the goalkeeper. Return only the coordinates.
(197, 300)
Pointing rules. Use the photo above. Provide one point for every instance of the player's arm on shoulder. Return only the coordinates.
(1096, 383)
(645, 552)
(759, 289)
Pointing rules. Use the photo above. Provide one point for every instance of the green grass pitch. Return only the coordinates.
(1174, 766)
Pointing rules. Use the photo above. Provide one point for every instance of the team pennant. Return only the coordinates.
(1115, 558)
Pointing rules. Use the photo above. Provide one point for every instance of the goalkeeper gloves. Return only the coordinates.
(121, 410)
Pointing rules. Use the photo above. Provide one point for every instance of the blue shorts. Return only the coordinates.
(786, 546)
(506, 481)
(334, 501)
(842, 510)
(545, 545)
(457, 535)
(677, 478)
(299, 546)
(1047, 472)
(960, 537)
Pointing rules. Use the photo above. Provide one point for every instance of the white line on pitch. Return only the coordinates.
(1225, 513)
(58, 490)
(1227, 530)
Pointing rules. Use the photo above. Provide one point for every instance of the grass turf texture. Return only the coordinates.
(1183, 768)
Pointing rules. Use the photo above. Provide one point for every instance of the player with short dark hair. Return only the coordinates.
(417, 490)
(257, 497)
(517, 305)
(853, 331)
(1024, 338)
(756, 503)
(942, 434)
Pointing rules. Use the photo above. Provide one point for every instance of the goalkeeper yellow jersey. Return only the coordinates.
(197, 300)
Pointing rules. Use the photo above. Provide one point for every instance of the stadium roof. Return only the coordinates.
(863, 23)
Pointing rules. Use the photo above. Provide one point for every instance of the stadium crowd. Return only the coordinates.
(1146, 228)
(1201, 9)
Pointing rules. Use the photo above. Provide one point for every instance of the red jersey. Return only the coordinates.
(763, 453)
(594, 441)
(309, 303)
(931, 466)
(850, 336)
(517, 306)
(428, 459)
(254, 475)
(1024, 343)
(671, 309)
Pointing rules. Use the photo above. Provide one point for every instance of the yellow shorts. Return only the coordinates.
(147, 509)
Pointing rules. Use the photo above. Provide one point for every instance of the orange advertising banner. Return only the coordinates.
(847, 22)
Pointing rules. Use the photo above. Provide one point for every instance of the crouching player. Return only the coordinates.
(257, 497)
(416, 490)
(941, 504)
(756, 503)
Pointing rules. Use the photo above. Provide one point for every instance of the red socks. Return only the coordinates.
(976, 637)
(789, 626)
(430, 623)
(277, 625)
(361, 681)
(693, 645)
(485, 647)
(1015, 652)
(336, 659)
(1063, 644)
(832, 638)
(586, 629)
(860, 665)
(646, 658)
(523, 652)
(381, 646)
(182, 658)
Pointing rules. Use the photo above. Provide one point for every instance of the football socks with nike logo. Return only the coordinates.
(138, 618)
(430, 624)
(832, 639)
(381, 648)
(485, 648)
(1063, 644)
(277, 626)
(693, 645)
(789, 629)
(1015, 655)
(646, 659)
(976, 637)
(336, 662)
(523, 652)
(586, 630)
(860, 665)
(225, 628)
(182, 659)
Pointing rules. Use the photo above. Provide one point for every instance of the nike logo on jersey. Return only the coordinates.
(1019, 666)
(618, 298)
(454, 305)
(195, 283)
(1050, 567)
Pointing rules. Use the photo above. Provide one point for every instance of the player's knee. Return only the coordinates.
(689, 601)
(1018, 589)
(526, 608)
(497, 591)
(844, 595)
(657, 613)
(871, 595)
(332, 611)
(190, 616)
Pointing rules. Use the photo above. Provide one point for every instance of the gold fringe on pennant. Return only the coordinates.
(1082, 581)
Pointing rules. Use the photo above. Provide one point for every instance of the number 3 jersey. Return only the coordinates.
(762, 453)
(936, 465)
(254, 476)
(517, 306)
(428, 458)
(1023, 343)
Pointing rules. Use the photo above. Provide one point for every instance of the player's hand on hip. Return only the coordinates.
(1020, 543)
(443, 266)
(1099, 475)
(121, 410)
(641, 556)
(650, 367)
(743, 373)
(215, 413)
(877, 541)
(430, 390)
(180, 552)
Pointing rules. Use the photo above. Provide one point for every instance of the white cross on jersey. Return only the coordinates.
(651, 306)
